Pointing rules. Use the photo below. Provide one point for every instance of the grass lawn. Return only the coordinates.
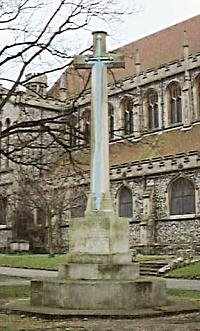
(14, 291)
(43, 261)
(34, 261)
(184, 294)
(141, 258)
(191, 271)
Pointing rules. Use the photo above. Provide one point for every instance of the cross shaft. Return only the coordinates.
(99, 198)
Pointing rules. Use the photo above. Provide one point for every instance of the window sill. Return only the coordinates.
(179, 217)
(182, 216)
(4, 226)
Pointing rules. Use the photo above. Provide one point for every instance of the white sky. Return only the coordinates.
(152, 16)
(149, 16)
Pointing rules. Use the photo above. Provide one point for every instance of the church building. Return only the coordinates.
(154, 129)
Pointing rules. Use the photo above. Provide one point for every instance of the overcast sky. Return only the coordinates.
(152, 16)
(148, 17)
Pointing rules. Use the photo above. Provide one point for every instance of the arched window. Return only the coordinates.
(111, 121)
(152, 108)
(86, 126)
(3, 205)
(127, 115)
(125, 202)
(197, 96)
(73, 131)
(7, 124)
(78, 206)
(0, 142)
(174, 103)
(182, 197)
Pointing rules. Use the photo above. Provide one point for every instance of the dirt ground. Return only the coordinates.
(186, 322)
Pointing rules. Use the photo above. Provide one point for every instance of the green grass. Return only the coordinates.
(141, 257)
(184, 294)
(14, 291)
(34, 261)
(43, 261)
(191, 271)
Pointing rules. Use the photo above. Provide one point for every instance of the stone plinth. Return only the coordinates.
(92, 271)
(91, 295)
(99, 238)
(98, 273)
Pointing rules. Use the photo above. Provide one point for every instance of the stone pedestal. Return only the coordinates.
(90, 295)
(99, 274)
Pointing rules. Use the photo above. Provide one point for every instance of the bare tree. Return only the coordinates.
(40, 34)
(47, 201)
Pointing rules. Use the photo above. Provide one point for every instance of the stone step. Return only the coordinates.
(151, 268)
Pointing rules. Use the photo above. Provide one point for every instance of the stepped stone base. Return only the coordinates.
(98, 274)
(99, 294)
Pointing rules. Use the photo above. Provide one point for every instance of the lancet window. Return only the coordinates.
(86, 126)
(7, 124)
(111, 121)
(0, 143)
(182, 197)
(125, 202)
(197, 96)
(3, 205)
(152, 108)
(127, 115)
(175, 103)
(73, 131)
(78, 206)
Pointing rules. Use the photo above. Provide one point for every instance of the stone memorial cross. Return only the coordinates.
(99, 197)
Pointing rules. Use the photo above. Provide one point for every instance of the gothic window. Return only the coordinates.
(0, 141)
(175, 103)
(7, 124)
(127, 115)
(41, 216)
(78, 206)
(182, 199)
(152, 105)
(111, 121)
(3, 205)
(125, 202)
(86, 126)
(197, 96)
(73, 132)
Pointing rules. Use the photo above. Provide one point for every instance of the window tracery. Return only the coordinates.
(182, 197)
(125, 202)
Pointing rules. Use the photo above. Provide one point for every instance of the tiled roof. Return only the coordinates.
(158, 145)
(156, 49)
(149, 147)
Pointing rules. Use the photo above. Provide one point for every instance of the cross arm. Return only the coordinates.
(116, 61)
(81, 62)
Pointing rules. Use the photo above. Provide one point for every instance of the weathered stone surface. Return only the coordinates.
(92, 295)
(99, 271)
(99, 239)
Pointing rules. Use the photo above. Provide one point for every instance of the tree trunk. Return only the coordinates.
(50, 234)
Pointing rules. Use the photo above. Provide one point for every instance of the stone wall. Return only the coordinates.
(5, 237)
(169, 231)
(173, 232)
